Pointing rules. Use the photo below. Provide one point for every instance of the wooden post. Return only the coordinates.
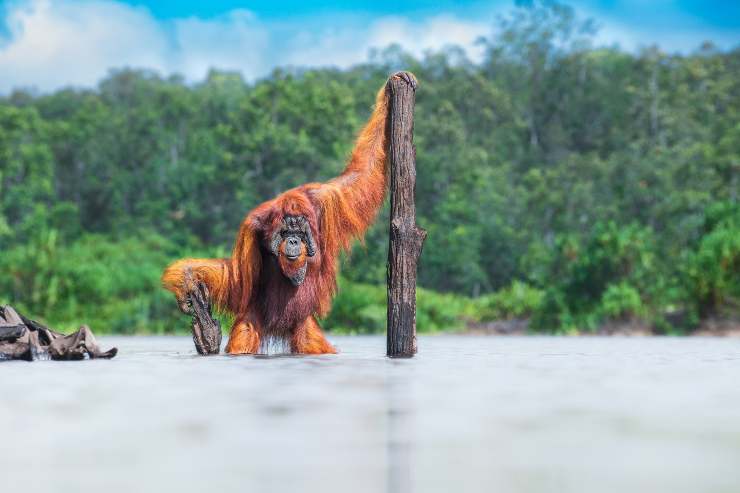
(206, 329)
(406, 238)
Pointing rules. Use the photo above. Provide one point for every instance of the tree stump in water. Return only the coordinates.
(25, 339)
(206, 329)
(406, 238)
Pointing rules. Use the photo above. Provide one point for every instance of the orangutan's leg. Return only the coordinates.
(243, 339)
(309, 339)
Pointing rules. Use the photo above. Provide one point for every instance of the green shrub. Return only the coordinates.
(621, 302)
(358, 308)
(713, 267)
(582, 271)
(112, 286)
(519, 300)
(441, 311)
(554, 314)
(362, 309)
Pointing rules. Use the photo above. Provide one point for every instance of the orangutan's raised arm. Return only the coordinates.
(350, 202)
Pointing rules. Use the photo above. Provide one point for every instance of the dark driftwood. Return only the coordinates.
(26, 339)
(406, 238)
(206, 329)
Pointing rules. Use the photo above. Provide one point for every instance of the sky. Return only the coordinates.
(48, 44)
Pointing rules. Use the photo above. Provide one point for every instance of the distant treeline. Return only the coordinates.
(571, 185)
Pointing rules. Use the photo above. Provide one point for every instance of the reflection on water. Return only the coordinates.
(398, 431)
(468, 414)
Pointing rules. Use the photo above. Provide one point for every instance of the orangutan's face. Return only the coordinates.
(292, 243)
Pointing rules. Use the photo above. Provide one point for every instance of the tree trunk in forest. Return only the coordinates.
(406, 238)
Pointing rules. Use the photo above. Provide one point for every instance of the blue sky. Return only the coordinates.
(719, 14)
(48, 44)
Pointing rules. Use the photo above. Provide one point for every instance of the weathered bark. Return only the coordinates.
(11, 324)
(406, 238)
(206, 329)
(25, 339)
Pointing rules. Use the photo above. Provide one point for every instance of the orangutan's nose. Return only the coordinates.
(292, 248)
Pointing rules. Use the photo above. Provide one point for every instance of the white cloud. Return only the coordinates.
(235, 41)
(65, 42)
(434, 33)
(350, 43)
(53, 43)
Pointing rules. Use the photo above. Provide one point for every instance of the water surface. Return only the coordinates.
(487, 414)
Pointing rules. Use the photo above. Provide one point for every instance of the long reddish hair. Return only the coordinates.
(337, 212)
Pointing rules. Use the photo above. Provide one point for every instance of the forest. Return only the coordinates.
(567, 185)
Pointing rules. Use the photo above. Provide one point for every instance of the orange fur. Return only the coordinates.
(309, 339)
(338, 211)
(210, 271)
(244, 339)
